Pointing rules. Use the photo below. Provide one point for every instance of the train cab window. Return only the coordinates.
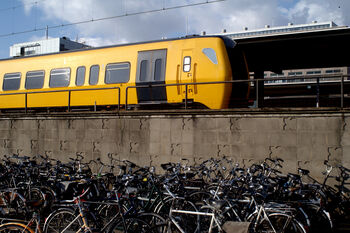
(59, 77)
(80, 78)
(187, 64)
(143, 70)
(11, 81)
(211, 54)
(35, 79)
(117, 73)
(158, 70)
(94, 72)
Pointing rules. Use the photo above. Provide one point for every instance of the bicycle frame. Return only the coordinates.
(212, 220)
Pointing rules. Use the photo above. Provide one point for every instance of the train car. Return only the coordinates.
(119, 75)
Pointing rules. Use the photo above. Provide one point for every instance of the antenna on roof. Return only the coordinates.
(47, 32)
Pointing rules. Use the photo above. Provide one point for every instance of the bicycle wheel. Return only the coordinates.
(132, 225)
(108, 211)
(199, 198)
(62, 219)
(189, 222)
(278, 222)
(34, 194)
(15, 227)
(205, 221)
(157, 223)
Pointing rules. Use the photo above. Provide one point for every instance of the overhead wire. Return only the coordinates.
(109, 17)
(21, 5)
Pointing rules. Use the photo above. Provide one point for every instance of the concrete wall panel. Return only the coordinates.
(305, 140)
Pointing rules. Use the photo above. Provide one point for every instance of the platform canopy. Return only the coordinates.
(298, 50)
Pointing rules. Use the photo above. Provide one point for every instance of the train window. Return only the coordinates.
(187, 64)
(94, 72)
(35, 79)
(59, 77)
(117, 73)
(11, 81)
(143, 70)
(211, 54)
(80, 78)
(158, 70)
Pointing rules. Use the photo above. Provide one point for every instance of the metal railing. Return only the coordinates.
(255, 83)
(178, 85)
(318, 80)
(315, 80)
(69, 95)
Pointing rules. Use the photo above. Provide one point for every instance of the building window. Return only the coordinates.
(35, 79)
(313, 72)
(294, 73)
(80, 78)
(187, 64)
(117, 73)
(11, 82)
(332, 71)
(94, 72)
(59, 77)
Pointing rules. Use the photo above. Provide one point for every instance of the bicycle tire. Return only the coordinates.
(15, 227)
(189, 222)
(132, 225)
(60, 219)
(277, 222)
(157, 223)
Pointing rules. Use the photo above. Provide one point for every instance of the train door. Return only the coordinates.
(187, 74)
(150, 71)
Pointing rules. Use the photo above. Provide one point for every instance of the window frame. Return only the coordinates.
(26, 79)
(158, 71)
(4, 78)
(98, 74)
(144, 72)
(69, 77)
(76, 76)
(117, 63)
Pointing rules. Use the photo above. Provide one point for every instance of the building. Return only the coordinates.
(51, 45)
(304, 75)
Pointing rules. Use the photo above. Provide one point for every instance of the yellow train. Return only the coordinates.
(119, 75)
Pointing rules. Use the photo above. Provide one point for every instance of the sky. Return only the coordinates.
(23, 20)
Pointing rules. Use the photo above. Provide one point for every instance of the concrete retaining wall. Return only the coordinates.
(301, 139)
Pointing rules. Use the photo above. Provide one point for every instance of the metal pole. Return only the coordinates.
(342, 92)
(257, 93)
(26, 102)
(126, 98)
(69, 96)
(318, 93)
(186, 96)
(118, 99)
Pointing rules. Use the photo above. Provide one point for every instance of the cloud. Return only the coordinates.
(231, 15)
(306, 11)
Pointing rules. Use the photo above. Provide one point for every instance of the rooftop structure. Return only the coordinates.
(51, 45)
(290, 28)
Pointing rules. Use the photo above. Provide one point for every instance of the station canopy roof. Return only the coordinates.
(301, 50)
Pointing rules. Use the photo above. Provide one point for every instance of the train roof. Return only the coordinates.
(119, 45)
